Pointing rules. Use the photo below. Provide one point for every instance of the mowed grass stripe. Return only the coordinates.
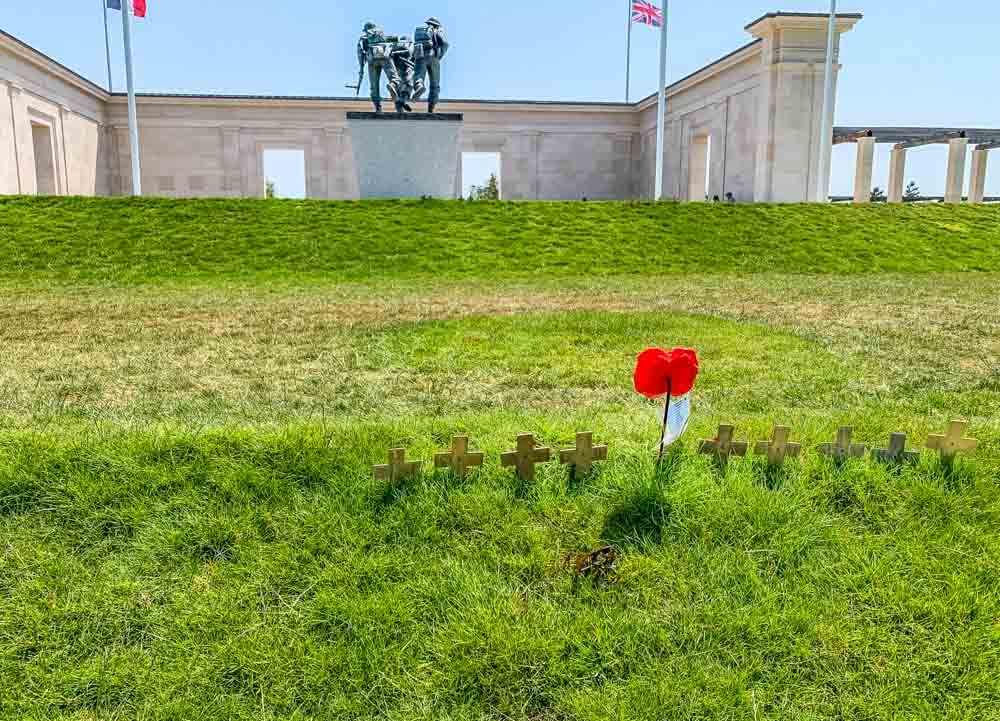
(69, 240)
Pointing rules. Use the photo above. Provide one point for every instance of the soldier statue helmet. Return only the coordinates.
(430, 47)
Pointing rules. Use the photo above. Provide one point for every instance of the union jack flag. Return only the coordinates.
(646, 13)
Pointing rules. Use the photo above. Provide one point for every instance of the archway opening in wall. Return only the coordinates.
(481, 176)
(698, 168)
(45, 159)
(284, 173)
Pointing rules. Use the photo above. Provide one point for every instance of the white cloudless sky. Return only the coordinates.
(913, 62)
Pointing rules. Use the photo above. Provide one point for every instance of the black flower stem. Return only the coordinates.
(663, 432)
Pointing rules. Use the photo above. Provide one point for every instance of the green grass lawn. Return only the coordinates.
(192, 396)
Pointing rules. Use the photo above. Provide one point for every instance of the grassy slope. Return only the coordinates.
(67, 240)
(236, 560)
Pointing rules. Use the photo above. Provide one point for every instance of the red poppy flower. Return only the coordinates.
(656, 367)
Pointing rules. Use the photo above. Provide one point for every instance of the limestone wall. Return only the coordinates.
(718, 103)
(195, 147)
(49, 112)
(748, 124)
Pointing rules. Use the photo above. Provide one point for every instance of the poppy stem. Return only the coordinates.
(663, 434)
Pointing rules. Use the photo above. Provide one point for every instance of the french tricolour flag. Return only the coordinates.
(138, 7)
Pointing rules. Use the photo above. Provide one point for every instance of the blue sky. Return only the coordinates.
(919, 62)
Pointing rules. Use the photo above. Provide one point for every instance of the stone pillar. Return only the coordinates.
(24, 153)
(955, 179)
(62, 155)
(10, 177)
(230, 162)
(863, 170)
(789, 121)
(977, 176)
(897, 174)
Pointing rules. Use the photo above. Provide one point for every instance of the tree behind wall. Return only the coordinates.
(878, 196)
(912, 193)
(269, 190)
(490, 191)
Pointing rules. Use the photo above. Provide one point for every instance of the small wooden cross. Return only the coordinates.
(398, 467)
(952, 443)
(778, 447)
(583, 456)
(843, 448)
(458, 459)
(525, 457)
(723, 445)
(896, 452)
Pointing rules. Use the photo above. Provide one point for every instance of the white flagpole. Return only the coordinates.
(661, 108)
(628, 49)
(133, 122)
(107, 43)
(826, 136)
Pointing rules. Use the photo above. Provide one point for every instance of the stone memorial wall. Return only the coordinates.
(747, 124)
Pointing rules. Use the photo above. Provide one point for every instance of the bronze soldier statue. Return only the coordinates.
(429, 48)
(375, 50)
(402, 60)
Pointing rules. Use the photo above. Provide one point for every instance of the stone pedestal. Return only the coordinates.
(955, 180)
(399, 155)
(863, 170)
(897, 174)
(977, 177)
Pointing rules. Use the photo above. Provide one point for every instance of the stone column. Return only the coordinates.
(863, 170)
(10, 176)
(897, 174)
(230, 162)
(977, 176)
(24, 152)
(789, 121)
(955, 179)
(63, 178)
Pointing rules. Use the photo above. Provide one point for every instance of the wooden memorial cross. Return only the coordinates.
(458, 459)
(398, 467)
(723, 445)
(952, 442)
(896, 452)
(843, 448)
(583, 456)
(525, 457)
(778, 447)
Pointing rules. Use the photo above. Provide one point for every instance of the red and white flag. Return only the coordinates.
(646, 13)
(138, 7)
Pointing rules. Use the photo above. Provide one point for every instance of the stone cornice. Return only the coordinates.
(42, 61)
(798, 21)
(352, 105)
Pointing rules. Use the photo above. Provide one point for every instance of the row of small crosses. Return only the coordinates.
(523, 458)
(951, 443)
(528, 454)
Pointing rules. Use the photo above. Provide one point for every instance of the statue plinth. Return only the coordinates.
(405, 155)
(454, 117)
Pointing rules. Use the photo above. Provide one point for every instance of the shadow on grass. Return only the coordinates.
(395, 491)
(773, 476)
(639, 520)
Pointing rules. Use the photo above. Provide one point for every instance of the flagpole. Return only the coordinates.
(133, 122)
(628, 48)
(661, 108)
(826, 136)
(107, 43)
